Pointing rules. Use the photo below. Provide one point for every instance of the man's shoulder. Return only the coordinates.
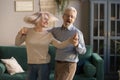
(56, 28)
(77, 30)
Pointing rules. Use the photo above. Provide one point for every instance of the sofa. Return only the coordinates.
(89, 67)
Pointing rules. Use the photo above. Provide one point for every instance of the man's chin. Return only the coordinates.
(68, 24)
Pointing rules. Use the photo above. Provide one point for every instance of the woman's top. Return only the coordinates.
(37, 45)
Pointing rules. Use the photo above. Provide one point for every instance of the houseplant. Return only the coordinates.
(61, 4)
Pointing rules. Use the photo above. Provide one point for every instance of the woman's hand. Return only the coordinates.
(23, 31)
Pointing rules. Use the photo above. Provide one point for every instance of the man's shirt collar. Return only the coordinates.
(67, 28)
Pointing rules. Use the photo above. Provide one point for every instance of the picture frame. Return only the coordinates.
(24, 5)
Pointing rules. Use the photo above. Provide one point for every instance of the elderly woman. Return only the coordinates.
(37, 41)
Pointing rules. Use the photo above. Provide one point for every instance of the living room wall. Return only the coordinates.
(11, 21)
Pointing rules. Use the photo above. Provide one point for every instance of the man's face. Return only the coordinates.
(69, 17)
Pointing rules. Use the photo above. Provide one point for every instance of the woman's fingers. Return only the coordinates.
(23, 31)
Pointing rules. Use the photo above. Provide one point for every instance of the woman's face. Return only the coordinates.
(44, 20)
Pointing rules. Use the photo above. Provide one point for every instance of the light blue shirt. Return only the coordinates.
(70, 53)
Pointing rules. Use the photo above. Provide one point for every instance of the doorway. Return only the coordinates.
(105, 32)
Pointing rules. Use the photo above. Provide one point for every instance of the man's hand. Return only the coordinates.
(75, 40)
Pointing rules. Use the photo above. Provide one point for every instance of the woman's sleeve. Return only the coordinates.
(19, 39)
(59, 44)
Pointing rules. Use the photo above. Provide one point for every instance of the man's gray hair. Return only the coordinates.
(71, 9)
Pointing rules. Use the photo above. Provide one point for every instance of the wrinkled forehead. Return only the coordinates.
(70, 13)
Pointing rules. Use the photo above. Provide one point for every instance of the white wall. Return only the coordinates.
(11, 21)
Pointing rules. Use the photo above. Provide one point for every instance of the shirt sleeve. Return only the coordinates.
(59, 44)
(81, 49)
(19, 39)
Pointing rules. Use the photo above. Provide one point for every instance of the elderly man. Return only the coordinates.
(67, 58)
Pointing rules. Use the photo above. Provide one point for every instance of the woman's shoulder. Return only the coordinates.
(28, 28)
(49, 33)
